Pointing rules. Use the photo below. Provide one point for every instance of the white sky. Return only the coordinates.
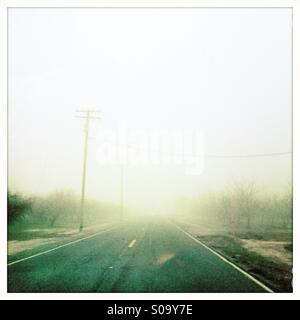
(224, 71)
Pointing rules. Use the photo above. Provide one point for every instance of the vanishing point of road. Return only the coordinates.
(137, 256)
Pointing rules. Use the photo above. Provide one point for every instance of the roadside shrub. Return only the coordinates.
(18, 207)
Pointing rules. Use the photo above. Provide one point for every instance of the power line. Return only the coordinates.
(257, 155)
(274, 154)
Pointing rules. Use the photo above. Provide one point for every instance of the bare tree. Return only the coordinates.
(245, 201)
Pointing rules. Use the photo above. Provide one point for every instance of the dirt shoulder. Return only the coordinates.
(21, 241)
(265, 255)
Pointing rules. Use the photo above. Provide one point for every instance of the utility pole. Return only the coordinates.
(122, 180)
(122, 192)
(87, 115)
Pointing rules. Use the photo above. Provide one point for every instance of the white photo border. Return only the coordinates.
(4, 7)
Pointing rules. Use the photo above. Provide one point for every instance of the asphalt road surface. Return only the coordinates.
(139, 256)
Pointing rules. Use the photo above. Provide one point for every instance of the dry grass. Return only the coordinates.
(22, 240)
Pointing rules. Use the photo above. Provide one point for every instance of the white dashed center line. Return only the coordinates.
(132, 243)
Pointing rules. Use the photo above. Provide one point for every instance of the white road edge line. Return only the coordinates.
(225, 260)
(59, 247)
(132, 243)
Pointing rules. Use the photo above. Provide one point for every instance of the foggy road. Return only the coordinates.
(138, 256)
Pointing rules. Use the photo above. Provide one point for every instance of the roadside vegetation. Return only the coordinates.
(242, 207)
(56, 210)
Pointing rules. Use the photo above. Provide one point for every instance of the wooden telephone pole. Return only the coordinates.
(87, 115)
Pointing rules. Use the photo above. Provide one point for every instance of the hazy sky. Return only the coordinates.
(226, 72)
